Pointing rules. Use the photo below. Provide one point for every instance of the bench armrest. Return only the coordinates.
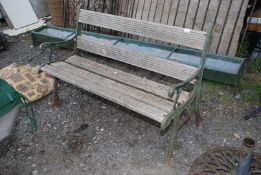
(176, 88)
(52, 45)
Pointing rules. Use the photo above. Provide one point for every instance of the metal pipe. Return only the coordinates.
(246, 156)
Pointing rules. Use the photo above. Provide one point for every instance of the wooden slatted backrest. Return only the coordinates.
(172, 34)
(163, 66)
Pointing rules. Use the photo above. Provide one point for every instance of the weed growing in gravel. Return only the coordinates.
(255, 66)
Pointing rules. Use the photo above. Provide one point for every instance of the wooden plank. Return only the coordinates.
(228, 28)
(129, 10)
(158, 13)
(200, 18)
(218, 25)
(255, 27)
(143, 84)
(152, 63)
(234, 42)
(192, 13)
(130, 7)
(130, 91)
(152, 11)
(144, 103)
(146, 10)
(166, 11)
(211, 13)
(145, 14)
(138, 8)
(138, 13)
(173, 11)
(182, 10)
(165, 14)
(123, 7)
(176, 35)
(123, 12)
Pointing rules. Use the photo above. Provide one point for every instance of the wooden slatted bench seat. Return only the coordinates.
(154, 100)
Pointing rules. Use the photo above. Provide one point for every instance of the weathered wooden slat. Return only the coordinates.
(152, 10)
(227, 30)
(151, 16)
(163, 66)
(138, 8)
(137, 13)
(125, 7)
(173, 10)
(181, 13)
(144, 84)
(158, 13)
(144, 103)
(130, 91)
(130, 7)
(146, 10)
(202, 9)
(123, 12)
(211, 13)
(219, 25)
(165, 14)
(176, 35)
(234, 43)
(145, 14)
(192, 13)
(166, 11)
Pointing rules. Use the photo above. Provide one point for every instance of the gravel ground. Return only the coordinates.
(90, 135)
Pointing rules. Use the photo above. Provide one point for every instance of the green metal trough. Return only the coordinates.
(218, 68)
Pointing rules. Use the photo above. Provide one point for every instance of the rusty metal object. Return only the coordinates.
(222, 160)
(246, 156)
(56, 99)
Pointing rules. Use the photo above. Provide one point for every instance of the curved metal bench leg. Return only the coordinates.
(173, 142)
(198, 117)
(56, 99)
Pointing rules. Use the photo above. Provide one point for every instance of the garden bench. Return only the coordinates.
(154, 100)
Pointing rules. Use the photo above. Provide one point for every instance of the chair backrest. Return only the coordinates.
(172, 34)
